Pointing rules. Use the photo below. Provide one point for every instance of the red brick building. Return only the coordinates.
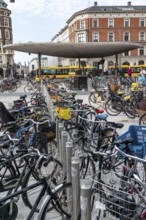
(6, 56)
(108, 24)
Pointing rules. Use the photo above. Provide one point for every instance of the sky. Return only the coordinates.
(41, 20)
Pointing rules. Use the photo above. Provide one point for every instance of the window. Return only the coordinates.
(111, 36)
(126, 63)
(7, 34)
(126, 36)
(126, 53)
(141, 62)
(81, 37)
(0, 33)
(110, 22)
(95, 23)
(6, 22)
(0, 59)
(141, 36)
(126, 22)
(95, 64)
(82, 24)
(110, 63)
(95, 37)
(141, 22)
(141, 51)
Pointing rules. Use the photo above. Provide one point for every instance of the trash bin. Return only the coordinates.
(80, 82)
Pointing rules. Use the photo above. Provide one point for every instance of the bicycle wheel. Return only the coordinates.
(113, 107)
(87, 167)
(28, 89)
(8, 179)
(59, 206)
(52, 147)
(18, 83)
(54, 174)
(95, 99)
(142, 119)
(130, 110)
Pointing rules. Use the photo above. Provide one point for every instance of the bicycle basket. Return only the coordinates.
(114, 87)
(49, 130)
(63, 113)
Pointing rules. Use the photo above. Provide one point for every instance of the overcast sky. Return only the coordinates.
(41, 20)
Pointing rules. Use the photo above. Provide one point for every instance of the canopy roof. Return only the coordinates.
(75, 50)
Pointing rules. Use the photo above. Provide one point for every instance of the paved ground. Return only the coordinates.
(7, 99)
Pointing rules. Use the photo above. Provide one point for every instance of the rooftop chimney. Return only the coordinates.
(95, 3)
(129, 3)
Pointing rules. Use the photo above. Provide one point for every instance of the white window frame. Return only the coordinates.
(111, 32)
(6, 22)
(128, 36)
(126, 53)
(140, 22)
(111, 20)
(7, 34)
(94, 23)
(82, 24)
(82, 37)
(142, 39)
(125, 21)
(141, 49)
(95, 36)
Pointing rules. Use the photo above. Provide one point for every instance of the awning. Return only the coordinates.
(75, 50)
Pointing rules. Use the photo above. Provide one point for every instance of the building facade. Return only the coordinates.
(108, 24)
(6, 37)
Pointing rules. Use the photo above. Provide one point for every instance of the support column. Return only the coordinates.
(39, 64)
(116, 64)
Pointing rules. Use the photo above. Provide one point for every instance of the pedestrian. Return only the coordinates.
(129, 71)
(142, 76)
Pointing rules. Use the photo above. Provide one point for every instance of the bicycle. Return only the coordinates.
(9, 210)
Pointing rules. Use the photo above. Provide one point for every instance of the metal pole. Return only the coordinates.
(85, 199)
(69, 148)
(75, 172)
(60, 129)
(63, 149)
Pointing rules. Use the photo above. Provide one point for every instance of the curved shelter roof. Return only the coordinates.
(75, 50)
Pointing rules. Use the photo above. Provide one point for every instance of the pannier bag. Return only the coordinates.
(63, 113)
(49, 130)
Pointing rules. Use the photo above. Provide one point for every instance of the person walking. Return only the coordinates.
(142, 74)
(129, 71)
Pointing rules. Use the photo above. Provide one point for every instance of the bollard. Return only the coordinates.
(75, 173)
(85, 199)
(60, 129)
(64, 139)
(69, 149)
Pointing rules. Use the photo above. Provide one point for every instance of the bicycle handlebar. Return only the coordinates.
(114, 152)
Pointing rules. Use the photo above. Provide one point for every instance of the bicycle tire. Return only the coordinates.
(50, 210)
(87, 167)
(53, 172)
(142, 119)
(18, 83)
(28, 89)
(95, 99)
(130, 111)
(7, 177)
(113, 108)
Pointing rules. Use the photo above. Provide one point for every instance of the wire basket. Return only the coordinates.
(115, 198)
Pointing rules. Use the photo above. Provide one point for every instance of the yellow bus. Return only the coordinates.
(63, 71)
(122, 70)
